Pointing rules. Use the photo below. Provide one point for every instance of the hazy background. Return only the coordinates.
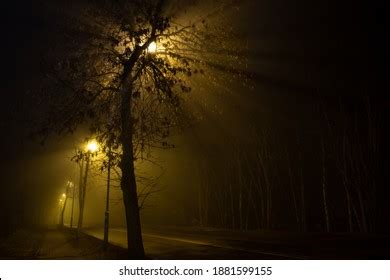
(299, 50)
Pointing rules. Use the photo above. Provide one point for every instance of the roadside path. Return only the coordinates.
(56, 244)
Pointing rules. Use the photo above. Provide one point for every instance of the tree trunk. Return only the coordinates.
(128, 180)
(302, 187)
(260, 189)
(200, 208)
(303, 204)
(324, 187)
(240, 194)
(232, 213)
(203, 196)
(344, 174)
(294, 198)
(83, 193)
(268, 188)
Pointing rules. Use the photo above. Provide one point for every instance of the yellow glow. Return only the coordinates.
(152, 48)
(92, 146)
(63, 195)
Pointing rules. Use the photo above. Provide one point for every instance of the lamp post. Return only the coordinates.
(63, 200)
(107, 213)
(92, 147)
(71, 185)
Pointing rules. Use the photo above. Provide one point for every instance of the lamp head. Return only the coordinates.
(92, 146)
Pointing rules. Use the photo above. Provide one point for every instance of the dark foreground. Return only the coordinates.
(191, 243)
(195, 243)
(54, 243)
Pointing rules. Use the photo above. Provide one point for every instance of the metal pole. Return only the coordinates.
(63, 212)
(107, 213)
(83, 191)
(81, 182)
(71, 217)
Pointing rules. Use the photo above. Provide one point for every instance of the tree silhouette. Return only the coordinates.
(123, 68)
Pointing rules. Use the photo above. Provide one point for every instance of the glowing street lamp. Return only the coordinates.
(92, 146)
(152, 48)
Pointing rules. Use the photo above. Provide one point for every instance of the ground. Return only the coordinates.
(55, 243)
(193, 243)
(209, 243)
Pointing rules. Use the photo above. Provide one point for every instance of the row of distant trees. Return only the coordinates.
(92, 175)
(325, 182)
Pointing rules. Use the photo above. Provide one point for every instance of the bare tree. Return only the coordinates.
(84, 161)
(130, 62)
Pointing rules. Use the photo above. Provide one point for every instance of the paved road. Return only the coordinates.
(163, 244)
(187, 243)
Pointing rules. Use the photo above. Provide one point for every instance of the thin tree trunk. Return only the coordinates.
(358, 164)
(81, 198)
(362, 210)
(233, 220)
(252, 200)
(128, 180)
(260, 189)
(349, 207)
(240, 196)
(372, 132)
(294, 197)
(302, 187)
(205, 204)
(258, 171)
(203, 197)
(200, 208)
(324, 187)
(63, 212)
(220, 199)
(345, 180)
(240, 209)
(359, 224)
(268, 192)
(200, 190)
(83, 191)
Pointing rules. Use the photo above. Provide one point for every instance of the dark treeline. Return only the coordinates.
(322, 178)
